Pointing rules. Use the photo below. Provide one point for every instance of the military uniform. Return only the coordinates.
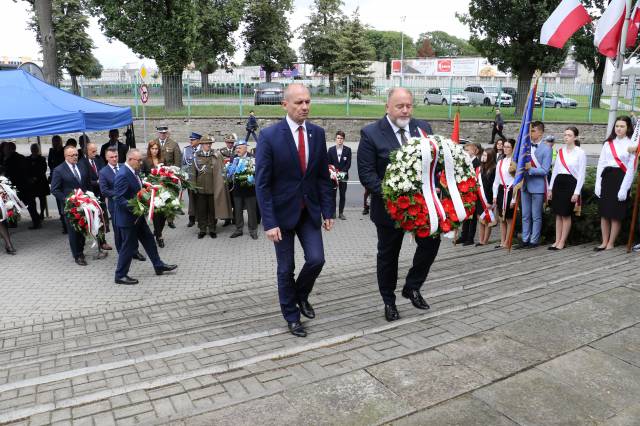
(187, 163)
(228, 153)
(212, 197)
(170, 152)
(244, 197)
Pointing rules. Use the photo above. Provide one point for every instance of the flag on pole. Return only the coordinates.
(566, 19)
(634, 26)
(522, 150)
(455, 134)
(609, 28)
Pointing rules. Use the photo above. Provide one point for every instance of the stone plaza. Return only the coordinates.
(530, 337)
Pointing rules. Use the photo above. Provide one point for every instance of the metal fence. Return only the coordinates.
(434, 98)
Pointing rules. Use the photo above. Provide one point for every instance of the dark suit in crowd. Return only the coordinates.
(107, 177)
(122, 151)
(63, 183)
(377, 140)
(342, 164)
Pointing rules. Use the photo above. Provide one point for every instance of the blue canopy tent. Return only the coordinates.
(31, 107)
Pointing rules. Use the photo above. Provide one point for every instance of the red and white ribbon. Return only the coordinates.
(154, 189)
(452, 184)
(487, 215)
(12, 196)
(434, 207)
(92, 212)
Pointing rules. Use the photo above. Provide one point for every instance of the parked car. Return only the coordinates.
(440, 96)
(268, 93)
(557, 100)
(487, 95)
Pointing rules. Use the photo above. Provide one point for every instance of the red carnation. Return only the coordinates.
(403, 202)
(418, 197)
(391, 208)
(463, 186)
(421, 220)
(408, 225)
(10, 213)
(77, 216)
(413, 209)
(446, 226)
(423, 232)
(74, 210)
(82, 223)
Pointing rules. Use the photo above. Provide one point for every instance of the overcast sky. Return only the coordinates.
(20, 41)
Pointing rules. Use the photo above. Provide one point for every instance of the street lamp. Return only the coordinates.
(402, 19)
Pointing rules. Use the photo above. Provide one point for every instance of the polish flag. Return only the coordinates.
(634, 26)
(609, 28)
(569, 16)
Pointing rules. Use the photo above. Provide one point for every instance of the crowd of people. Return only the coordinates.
(292, 193)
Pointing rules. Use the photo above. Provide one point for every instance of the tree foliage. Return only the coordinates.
(387, 45)
(319, 37)
(73, 44)
(354, 49)
(165, 31)
(425, 50)
(446, 45)
(267, 35)
(507, 33)
(217, 21)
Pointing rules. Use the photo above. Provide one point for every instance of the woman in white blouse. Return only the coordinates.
(569, 170)
(614, 177)
(503, 192)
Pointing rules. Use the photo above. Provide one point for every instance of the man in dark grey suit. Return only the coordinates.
(340, 158)
(377, 140)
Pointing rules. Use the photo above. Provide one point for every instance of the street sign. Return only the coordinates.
(144, 93)
(143, 72)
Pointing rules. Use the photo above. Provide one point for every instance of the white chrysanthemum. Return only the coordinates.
(158, 203)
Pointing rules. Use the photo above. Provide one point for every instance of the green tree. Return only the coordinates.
(267, 35)
(425, 50)
(218, 20)
(73, 44)
(387, 45)
(43, 19)
(165, 31)
(507, 33)
(319, 37)
(446, 45)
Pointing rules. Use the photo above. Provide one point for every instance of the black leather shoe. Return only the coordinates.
(80, 260)
(192, 221)
(10, 250)
(226, 223)
(213, 235)
(391, 313)
(201, 235)
(160, 242)
(254, 235)
(365, 211)
(532, 245)
(171, 225)
(306, 309)
(416, 298)
(522, 246)
(297, 329)
(126, 280)
(467, 243)
(342, 217)
(35, 226)
(236, 234)
(165, 268)
(139, 256)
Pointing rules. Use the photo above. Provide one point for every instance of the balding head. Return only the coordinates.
(92, 150)
(134, 159)
(399, 106)
(71, 154)
(297, 102)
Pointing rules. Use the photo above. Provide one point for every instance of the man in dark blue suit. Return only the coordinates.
(131, 228)
(66, 178)
(340, 158)
(377, 140)
(295, 197)
(107, 177)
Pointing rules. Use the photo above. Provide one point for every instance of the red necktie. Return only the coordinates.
(301, 151)
(93, 166)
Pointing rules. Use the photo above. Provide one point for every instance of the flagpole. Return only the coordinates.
(512, 229)
(634, 218)
(617, 77)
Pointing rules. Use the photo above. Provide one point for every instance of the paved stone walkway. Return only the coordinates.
(531, 337)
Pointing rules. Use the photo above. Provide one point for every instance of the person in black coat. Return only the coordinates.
(66, 178)
(252, 126)
(377, 140)
(94, 164)
(497, 126)
(16, 169)
(54, 159)
(340, 158)
(114, 142)
(37, 175)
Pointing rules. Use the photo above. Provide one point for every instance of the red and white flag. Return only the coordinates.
(569, 17)
(609, 28)
(634, 26)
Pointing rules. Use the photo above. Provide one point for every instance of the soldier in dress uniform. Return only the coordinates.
(228, 152)
(212, 197)
(187, 162)
(244, 197)
(170, 152)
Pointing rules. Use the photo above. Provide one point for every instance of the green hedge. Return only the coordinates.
(585, 228)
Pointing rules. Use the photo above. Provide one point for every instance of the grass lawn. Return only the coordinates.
(578, 115)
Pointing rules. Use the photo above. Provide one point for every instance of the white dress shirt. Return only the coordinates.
(74, 168)
(407, 132)
(502, 166)
(294, 132)
(134, 173)
(606, 160)
(576, 160)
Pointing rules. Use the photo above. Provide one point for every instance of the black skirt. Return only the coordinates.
(610, 207)
(499, 201)
(562, 191)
